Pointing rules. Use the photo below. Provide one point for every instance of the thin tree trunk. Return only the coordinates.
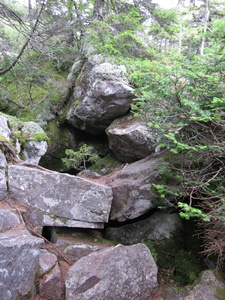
(180, 40)
(207, 13)
(98, 9)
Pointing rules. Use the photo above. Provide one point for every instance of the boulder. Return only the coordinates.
(4, 128)
(19, 255)
(115, 273)
(133, 193)
(27, 139)
(50, 286)
(8, 219)
(59, 194)
(210, 286)
(129, 139)
(3, 185)
(78, 250)
(158, 227)
(89, 174)
(34, 151)
(47, 260)
(101, 94)
(40, 218)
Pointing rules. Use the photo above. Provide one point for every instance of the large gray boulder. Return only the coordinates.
(59, 194)
(210, 286)
(101, 94)
(19, 254)
(158, 227)
(133, 192)
(129, 139)
(3, 185)
(115, 273)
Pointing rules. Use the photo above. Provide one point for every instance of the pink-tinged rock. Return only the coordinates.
(50, 287)
(116, 273)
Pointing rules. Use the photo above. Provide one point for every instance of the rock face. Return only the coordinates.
(209, 287)
(101, 94)
(3, 186)
(133, 193)
(50, 283)
(4, 129)
(42, 218)
(50, 286)
(19, 253)
(75, 252)
(129, 139)
(34, 151)
(8, 219)
(157, 227)
(46, 260)
(61, 195)
(116, 273)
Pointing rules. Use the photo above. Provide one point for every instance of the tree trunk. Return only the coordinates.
(98, 9)
(206, 22)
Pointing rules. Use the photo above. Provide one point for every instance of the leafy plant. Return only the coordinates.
(78, 159)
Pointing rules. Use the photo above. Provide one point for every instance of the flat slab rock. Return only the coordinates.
(116, 273)
(19, 256)
(59, 194)
(40, 219)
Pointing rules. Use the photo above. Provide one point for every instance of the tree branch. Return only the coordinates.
(4, 71)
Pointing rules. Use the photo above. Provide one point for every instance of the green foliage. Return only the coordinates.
(152, 250)
(79, 159)
(35, 91)
(191, 212)
(116, 35)
(186, 98)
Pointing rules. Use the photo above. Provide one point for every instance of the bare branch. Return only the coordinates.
(4, 71)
